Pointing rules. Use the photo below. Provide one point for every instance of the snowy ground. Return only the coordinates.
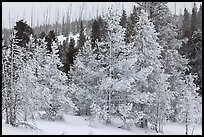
(75, 125)
(61, 38)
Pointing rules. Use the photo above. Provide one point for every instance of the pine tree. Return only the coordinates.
(95, 33)
(63, 49)
(123, 20)
(196, 58)
(52, 83)
(67, 53)
(174, 63)
(15, 59)
(186, 24)
(131, 22)
(153, 85)
(23, 32)
(103, 28)
(25, 87)
(157, 11)
(17, 86)
(4, 73)
(83, 80)
(42, 35)
(70, 55)
(190, 104)
(50, 38)
(81, 36)
(199, 18)
(193, 26)
(192, 49)
(112, 69)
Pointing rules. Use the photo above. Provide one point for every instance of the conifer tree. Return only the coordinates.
(123, 20)
(199, 18)
(52, 83)
(154, 83)
(112, 69)
(83, 80)
(189, 104)
(15, 60)
(131, 22)
(23, 32)
(81, 40)
(186, 24)
(193, 26)
(50, 38)
(95, 33)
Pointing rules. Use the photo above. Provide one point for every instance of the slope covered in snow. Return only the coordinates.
(79, 125)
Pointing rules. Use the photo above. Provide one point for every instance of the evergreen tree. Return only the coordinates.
(95, 33)
(83, 82)
(112, 69)
(103, 28)
(186, 24)
(123, 20)
(174, 64)
(14, 60)
(4, 73)
(25, 87)
(193, 26)
(63, 49)
(192, 48)
(190, 104)
(42, 35)
(70, 55)
(52, 83)
(81, 36)
(50, 38)
(157, 11)
(199, 18)
(154, 83)
(195, 56)
(131, 22)
(23, 32)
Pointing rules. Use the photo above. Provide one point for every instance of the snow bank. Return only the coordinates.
(61, 38)
(79, 125)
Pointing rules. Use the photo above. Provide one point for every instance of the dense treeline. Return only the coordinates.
(142, 70)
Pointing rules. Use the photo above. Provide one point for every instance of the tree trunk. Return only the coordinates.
(7, 116)
(186, 123)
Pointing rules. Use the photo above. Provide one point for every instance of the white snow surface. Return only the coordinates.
(80, 125)
(61, 38)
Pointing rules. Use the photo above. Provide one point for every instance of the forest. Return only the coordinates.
(139, 70)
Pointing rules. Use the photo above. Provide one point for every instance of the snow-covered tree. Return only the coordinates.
(15, 55)
(174, 64)
(193, 21)
(123, 20)
(150, 78)
(186, 24)
(100, 75)
(190, 104)
(95, 33)
(5, 63)
(83, 78)
(12, 63)
(112, 68)
(199, 18)
(25, 85)
(52, 82)
(81, 41)
(131, 23)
